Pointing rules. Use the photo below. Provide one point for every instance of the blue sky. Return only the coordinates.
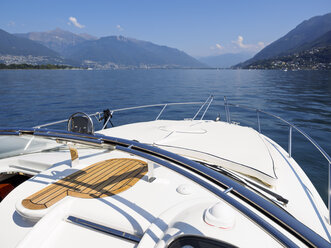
(198, 27)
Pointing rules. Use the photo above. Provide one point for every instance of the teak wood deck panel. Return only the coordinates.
(98, 180)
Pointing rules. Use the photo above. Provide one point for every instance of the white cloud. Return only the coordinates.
(119, 28)
(250, 47)
(217, 47)
(261, 44)
(236, 46)
(240, 42)
(11, 24)
(73, 20)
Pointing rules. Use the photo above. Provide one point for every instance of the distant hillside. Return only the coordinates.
(58, 40)
(225, 60)
(314, 55)
(311, 59)
(294, 41)
(87, 36)
(12, 45)
(322, 41)
(85, 50)
(119, 51)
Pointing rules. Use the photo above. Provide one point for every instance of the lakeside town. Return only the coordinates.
(312, 59)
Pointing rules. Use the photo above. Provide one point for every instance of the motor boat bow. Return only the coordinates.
(160, 183)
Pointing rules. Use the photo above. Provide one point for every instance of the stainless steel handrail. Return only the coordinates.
(197, 113)
(227, 111)
(196, 172)
(291, 127)
(210, 101)
(125, 109)
(159, 115)
(327, 157)
(155, 105)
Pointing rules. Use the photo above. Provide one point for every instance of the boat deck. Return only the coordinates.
(98, 180)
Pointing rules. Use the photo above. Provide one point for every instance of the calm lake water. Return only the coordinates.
(32, 97)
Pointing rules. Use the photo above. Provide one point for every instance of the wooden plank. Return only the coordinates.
(99, 175)
(69, 182)
(98, 180)
(109, 178)
(40, 195)
(55, 189)
(115, 179)
(30, 205)
(56, 199)
(133, 172)
(123, 184)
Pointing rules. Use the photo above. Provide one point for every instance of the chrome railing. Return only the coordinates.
(291, 127)
(206, 104)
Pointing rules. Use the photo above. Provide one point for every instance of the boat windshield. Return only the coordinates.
(11, 145)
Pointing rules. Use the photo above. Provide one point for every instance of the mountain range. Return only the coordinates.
(306, 46)
(123, 51)
(58, 40)
(63, 47)
(12, 45)
(305, 38)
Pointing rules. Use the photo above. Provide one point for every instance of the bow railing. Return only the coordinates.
(291, 128)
